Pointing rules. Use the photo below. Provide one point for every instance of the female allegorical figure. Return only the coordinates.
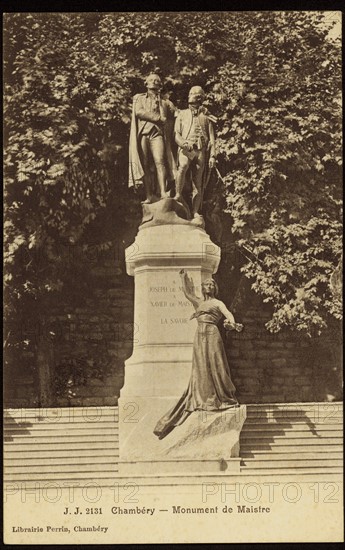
(210, 387)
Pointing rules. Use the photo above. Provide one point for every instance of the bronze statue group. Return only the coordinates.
(167, 144)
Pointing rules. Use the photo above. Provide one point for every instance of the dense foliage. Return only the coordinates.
(273, 79)
(281, 136)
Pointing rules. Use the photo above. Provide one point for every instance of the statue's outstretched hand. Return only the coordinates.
(233, 326)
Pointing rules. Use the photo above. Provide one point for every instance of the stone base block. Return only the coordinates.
(156, 467)
(205, 437)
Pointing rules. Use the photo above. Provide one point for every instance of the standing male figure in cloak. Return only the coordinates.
(151, 160)
(194, 134)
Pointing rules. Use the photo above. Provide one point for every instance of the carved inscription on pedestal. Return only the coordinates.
(169, 298)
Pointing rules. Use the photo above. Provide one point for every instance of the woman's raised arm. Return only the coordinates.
(188, 288)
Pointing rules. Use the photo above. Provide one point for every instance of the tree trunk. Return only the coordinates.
(45, 367)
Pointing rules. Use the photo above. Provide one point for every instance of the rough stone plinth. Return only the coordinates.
(206, 435)
(209, 440)
(165, 212)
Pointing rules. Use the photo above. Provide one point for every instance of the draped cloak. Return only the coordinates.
(136, 170)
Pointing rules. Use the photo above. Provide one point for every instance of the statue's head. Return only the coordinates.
(209, 287)
(196, 95)
(153, 82)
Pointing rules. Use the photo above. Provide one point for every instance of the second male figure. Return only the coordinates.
(194, 134)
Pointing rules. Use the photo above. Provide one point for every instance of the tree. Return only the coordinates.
(281, 147)
(64, 137)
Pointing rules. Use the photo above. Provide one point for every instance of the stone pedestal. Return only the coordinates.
(158, 371)
(206, 442)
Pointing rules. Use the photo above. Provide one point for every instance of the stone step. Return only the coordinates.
(311, 472)
(71, 467)
(50, 413)
(107, 423)
(322, 408)
(106, 428)
(246, 475)
(300, 413)
(280, 410)
(289, 462)
(91, 453)
(269, 419)
(310, 418)
(17, 462)
(64, 437)
(297, 405)
(257, 443)
(280, 414)
(338, 421)
(70, 474)
(288, 421)
(289, 427)
(322, 438)
(291, 434)
(287, 453)
(52, 446)
(63, 421)
(314, 415)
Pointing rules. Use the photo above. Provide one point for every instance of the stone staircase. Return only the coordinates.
(70, 444)
(60, 444)
(303, 438)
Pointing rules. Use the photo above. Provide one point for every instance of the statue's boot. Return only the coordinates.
(198, 220)
(149, 190)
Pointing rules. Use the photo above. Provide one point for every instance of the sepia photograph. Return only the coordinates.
(172, 277)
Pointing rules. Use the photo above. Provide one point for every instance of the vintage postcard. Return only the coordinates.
(173, 277)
